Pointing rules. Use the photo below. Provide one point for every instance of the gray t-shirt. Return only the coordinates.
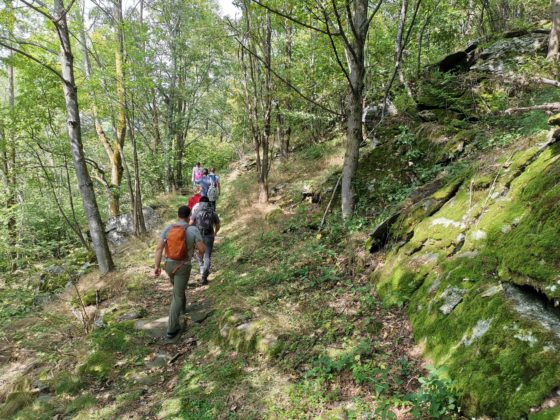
(193, 236)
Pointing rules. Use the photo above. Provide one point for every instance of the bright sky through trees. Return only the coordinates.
(227, 8)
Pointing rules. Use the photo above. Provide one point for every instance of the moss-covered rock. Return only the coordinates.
(90, 297)
(480, 271)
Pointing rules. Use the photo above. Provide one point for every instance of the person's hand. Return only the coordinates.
(157, 271)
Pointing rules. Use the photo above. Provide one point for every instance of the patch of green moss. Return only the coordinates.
(116, 338)
(66, 383)
(83, 402)
(135, 283)
(15, 402)
(550, 414)
(511, 219)
(275, 216)
(40, 409)
(89, 297)
(495, 364)
(99, 365)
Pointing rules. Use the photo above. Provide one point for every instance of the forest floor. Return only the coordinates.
(289, 326)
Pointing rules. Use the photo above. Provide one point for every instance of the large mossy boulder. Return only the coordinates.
(477, 263)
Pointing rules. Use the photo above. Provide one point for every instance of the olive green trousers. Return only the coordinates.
(179, 280)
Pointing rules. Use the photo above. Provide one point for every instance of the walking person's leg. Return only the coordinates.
(179, 280)
(209, 242)
(200, 262)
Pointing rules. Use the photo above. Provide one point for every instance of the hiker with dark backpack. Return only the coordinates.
(214, 190)
(208, 223)
(180, 241)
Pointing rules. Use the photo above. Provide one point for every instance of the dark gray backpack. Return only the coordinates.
(205, 221)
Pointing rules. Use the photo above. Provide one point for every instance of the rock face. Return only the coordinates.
(372, 114)
(482, 297)
(119, 228)
(492, 59)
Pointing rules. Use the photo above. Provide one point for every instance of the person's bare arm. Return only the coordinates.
(159, 252)
(216, 228)
(200, 248)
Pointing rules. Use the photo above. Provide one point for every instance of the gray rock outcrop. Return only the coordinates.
(119, 228)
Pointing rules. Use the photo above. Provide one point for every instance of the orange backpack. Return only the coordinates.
(176, 243)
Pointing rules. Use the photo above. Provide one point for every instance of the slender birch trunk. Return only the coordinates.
(85, 184)
(354, 108)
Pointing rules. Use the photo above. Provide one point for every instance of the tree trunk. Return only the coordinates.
(354, 107)
(399, 47)
(10, 161)
(284, 123)
(554, 39)
(155, 122)
(258, 95)
(101, 135)
(85, 184)
(267, 118)
(179, 149)
(139, 223)
(117, 164)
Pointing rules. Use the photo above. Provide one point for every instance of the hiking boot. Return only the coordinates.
(171, 336)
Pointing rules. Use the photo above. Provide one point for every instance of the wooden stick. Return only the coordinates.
(330, 202)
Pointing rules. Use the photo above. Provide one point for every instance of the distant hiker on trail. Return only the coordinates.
(180, 241)
(214, 189)
(193, 201)
(204, 183)
(208, 223)
(196, 174)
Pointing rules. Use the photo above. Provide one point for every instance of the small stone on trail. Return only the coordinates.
(200, 316)
(129, 316)
(158, 360)
(154, 328)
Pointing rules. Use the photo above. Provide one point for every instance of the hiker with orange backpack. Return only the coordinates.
(180, 242)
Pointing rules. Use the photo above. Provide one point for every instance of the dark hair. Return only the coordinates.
(205, 171)
(197, 163)
(213, 170)
(204, 199)
(184, 212)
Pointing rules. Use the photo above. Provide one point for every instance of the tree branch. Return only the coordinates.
(335, 50)
(349, 46)
(552, 106)
(283, 80)
(299, 22)
(32, 58)
(375, 10)
(38, 9)
(21, 42)
(525, 81)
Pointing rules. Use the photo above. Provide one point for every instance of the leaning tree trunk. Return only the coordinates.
(354, 107)
(85, 184)
(554, 39)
